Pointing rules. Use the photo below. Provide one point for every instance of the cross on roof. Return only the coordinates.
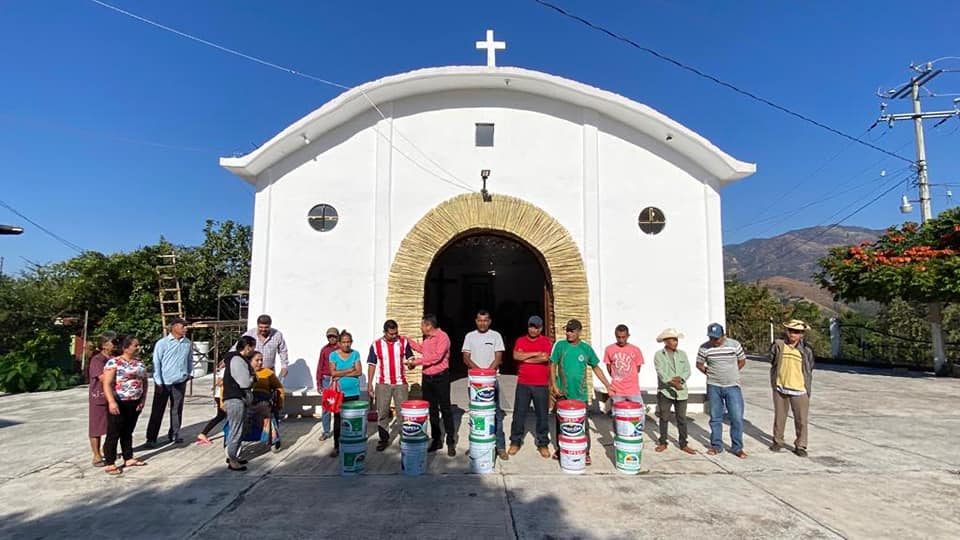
(492, 47)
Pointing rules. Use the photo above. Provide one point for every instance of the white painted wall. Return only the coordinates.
(590, 172)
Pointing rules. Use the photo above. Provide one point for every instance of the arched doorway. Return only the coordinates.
(488, 270)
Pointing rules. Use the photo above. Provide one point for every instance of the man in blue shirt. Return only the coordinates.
(172, 368)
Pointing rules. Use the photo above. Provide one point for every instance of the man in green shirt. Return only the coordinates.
(673, 370)
(568, 374)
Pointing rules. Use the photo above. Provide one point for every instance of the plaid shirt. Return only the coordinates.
(270, 347)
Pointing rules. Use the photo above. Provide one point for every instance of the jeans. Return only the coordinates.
(730, 397)
(540, 397)
(236, 413)
(436, 390)
(161, 394)
(635, 399)
(384, 393)
(336, 422)
(221, 415)
(680, 411)
(325, 417)
(120, 428)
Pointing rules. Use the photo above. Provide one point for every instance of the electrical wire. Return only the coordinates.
(452, 180)
(50, 233)
(717, 80)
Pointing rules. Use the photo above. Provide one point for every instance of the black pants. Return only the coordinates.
(680, 408)
(220, 417)
(161, 393)
(539, 396)
(436, 390)
(120, 428)
(586, 426)
(336, 422)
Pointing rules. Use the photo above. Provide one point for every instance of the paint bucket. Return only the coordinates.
(482, 388)
(416, 416)
(628, 452)
(628, 418)
(483, 454)
(483, 423)
(572, 415)
(573, 454)
(413, 457)
(353, 456)
(353, 421)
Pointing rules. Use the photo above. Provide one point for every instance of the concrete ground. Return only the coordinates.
(883, 464)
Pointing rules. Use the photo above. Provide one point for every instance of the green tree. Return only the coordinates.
(919, 264)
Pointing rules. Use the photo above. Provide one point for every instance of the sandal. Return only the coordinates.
(99, 463)
(203, 442)
(589, 462)
(113, 470)
(134, 463)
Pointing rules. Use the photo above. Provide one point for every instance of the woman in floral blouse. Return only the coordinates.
(125, 386)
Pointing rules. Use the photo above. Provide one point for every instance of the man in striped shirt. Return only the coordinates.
(721, 360)
(390, 353)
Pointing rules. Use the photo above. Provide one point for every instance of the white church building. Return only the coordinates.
(452, 189)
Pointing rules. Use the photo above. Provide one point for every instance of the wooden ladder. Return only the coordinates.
(171, 299)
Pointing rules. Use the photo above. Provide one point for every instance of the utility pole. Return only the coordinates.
(912, 88)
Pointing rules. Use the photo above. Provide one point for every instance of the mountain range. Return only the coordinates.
(785, 264)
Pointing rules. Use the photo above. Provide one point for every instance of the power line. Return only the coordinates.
(52, 234)
(452, 180)
(717, 80)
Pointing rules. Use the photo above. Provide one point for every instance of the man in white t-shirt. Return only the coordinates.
(483, 349)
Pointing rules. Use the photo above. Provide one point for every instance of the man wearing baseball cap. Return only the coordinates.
(323, 375)
(721, 360)
(532, 354)
(172, 368)
(791, 377)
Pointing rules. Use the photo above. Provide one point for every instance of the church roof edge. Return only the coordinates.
(357, 100)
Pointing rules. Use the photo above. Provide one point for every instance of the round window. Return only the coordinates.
(322, 217)
(651, 220)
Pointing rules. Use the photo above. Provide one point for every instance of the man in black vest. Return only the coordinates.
(238, 377)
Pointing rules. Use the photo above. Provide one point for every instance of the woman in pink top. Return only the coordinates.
(624, 361)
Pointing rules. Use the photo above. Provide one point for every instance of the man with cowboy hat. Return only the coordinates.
(791, 378)
(673, 370)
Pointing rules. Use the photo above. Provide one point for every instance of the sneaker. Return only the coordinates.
(513, 450)
(240, 461)
(451, 450)
(502, 454)
(800, 452)
(776, 447)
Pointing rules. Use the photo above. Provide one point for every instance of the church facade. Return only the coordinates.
(452, 189)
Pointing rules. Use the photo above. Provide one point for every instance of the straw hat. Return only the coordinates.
(796, 324)
(669, 333)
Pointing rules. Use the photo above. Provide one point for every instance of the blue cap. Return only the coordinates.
(715, 330)
(535, 321)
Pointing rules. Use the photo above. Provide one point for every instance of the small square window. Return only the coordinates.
(484, 135)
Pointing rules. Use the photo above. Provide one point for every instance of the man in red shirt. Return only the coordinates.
(532, 353)
(323, 375)
(435, 359)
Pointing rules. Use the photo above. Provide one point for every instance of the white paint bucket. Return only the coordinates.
(628, 419)
(416, 417)
(353, 421)
(353, 456)
(413, 457)
(573, 454)
(629, 453)
(483, 455)
(573, 418)
(483, 423)
(482, 387)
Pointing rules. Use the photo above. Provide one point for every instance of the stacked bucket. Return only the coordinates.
(628, 420)
(353, 437)
(413, 437)
(572, 435)
(483, 418)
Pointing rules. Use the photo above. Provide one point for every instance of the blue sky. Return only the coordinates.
(110, 130)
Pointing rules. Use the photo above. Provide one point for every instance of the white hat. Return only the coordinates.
(796, 324)
(669, 333)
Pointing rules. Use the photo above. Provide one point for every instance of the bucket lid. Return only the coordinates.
(479, 372)
(357, 404)
(627, 405)
(415, 404)
(483, 440)
(566, 439)
(571, 404)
